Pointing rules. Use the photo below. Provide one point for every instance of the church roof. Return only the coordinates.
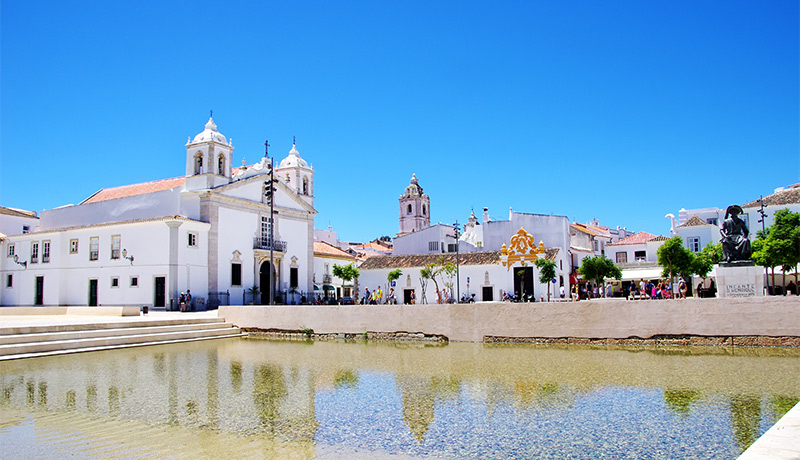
(790, 195)
(638, 238)
(134, 189)
(321, 248)
(413, 189)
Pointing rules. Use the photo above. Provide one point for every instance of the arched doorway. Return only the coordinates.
(265, 282)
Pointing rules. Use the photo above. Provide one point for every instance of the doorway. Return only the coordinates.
(265, 283)
(39, 290)
(488, 293)
(523, 283)
(93, 293)
(407, 296)
(160, 299)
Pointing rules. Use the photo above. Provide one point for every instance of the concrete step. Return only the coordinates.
(106, 341)
(23, 342)
(111, 324)
(150, 328)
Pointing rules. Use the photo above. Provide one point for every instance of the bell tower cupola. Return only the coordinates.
(209, 153)
(297, 174)
(415, 208)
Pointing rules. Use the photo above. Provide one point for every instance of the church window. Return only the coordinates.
(221, 165)
(34, 252)
(134, 281)
(236, 274)
(115, 245)
(115, 282)
(10, 250)
(191, 240)
(266, 226)
(94, 248)
(10, 281)
(305, 186)
(73, 246)
(293, 277)
(45, 252)
(198, 163)
(433, 246)
(423, 209)
(409, 209)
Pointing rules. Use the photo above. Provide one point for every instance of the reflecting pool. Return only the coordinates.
(252, 398)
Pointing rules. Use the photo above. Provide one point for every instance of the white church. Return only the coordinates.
(207, 231)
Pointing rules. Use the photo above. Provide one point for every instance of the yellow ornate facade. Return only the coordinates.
(522, 248)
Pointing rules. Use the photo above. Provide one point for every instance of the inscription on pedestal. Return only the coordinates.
(740, 290)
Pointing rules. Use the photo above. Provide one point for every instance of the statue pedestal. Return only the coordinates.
(739, 279)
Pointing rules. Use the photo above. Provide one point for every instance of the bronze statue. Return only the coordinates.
(735, 242)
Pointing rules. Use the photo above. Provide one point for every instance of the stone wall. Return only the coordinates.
(718, 319)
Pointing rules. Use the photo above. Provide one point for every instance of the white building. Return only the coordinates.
(16, 221)
(206, 231)
(637, 256)
(326, 284)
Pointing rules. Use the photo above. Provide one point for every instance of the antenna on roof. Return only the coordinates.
(294, 140)
(210, 114)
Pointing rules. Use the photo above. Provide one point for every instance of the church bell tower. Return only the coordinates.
(415, 208)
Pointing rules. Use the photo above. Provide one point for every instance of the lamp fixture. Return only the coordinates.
(126, 256)
(16, 261)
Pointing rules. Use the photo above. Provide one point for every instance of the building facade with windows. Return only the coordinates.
(142, 244)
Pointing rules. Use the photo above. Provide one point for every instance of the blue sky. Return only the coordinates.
(622, 111)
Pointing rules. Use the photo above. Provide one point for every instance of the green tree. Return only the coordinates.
(347, 273)
(706, 259)
(598, 269)
(547, 273)
(393, 275)
(780, 245)
(442, 270)
(676, 259)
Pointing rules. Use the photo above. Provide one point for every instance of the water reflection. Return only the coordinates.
(286, 399)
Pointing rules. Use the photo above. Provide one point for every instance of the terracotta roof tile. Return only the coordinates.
(17, 212)
(322, 248)
(789, 196)
(694, 222)
(420, 260)
(134, 189)
(637, 238)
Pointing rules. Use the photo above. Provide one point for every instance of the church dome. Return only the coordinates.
(293, 160)
(210, 134)
(413, 189)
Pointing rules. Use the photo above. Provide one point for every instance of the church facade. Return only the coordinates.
(207, 231)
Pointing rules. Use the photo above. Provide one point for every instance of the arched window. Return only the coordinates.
(198, 163)
(221, 165)
(423, 209)
(409, 209)
(305, 186)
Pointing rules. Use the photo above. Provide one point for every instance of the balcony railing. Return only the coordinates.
(266, 243)
(327, 279)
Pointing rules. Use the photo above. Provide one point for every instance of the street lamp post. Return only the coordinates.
(458, 277)
(764, 231)
(269, 192)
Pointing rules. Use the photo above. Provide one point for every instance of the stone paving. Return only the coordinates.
(781, 442)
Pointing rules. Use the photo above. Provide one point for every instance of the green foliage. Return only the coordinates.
(547, 273)
(599, 268)
(705, 260)
(345, 272)
(307, 331)
(394, 275)
(441, 269)
(547, 270)
(780, 245)
(675, 258)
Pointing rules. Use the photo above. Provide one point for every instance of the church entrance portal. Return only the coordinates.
(523, 282)
(265, 283)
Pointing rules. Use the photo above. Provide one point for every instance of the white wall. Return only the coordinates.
(149, 205)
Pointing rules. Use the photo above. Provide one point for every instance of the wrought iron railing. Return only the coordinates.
(327, 279)
(265, 243)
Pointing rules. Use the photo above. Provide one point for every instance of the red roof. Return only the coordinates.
(135, 189)
(322, 248)
(637, 238)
